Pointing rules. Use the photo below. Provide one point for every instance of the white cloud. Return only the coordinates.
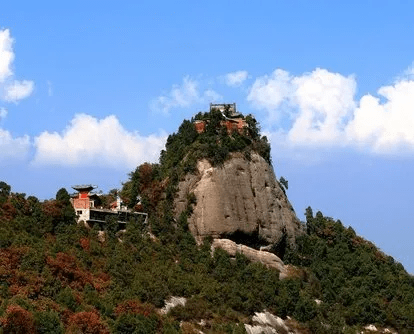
(91, 141)
(322, 111)
(13, 148)
(3, 113)
(235, 78)
(6, 54)
(11, 90)
(385, 127)
(317, 103)
(212, 96)
(180, 96)
(407, 74)
(184, 96)
(268, 92)
(324, 100)
(18, 90)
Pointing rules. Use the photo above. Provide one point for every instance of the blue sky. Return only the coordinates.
(89, 90)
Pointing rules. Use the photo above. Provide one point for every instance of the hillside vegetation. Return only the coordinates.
(59, 277)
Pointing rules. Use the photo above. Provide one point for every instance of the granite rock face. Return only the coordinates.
(240, 195)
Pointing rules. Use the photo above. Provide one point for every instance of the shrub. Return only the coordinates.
(134, 307)
(48, 323)
(6, 237)
(66, 298)
(86, 323)
(136, 324)
(18, 320)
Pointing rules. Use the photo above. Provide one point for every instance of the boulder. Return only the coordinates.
(268, 259)
(241, 195)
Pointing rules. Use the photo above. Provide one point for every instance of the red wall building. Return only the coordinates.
(83, 201)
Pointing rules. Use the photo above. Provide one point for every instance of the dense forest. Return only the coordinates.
(60, 277)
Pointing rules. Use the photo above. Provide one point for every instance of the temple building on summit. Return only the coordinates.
(233, 121)
(87, 208)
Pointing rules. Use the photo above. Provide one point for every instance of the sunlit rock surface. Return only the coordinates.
(266, 258)
(241, 195)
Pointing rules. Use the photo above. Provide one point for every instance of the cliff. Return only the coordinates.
(241, 195)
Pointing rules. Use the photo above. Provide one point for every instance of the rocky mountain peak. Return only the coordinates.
(242, 195)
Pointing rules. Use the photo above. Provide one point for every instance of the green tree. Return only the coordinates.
(63, 195)
(253, 127)
(4, 191)
(48, 322)
(111, 227)
(284, 182)
(135, 324)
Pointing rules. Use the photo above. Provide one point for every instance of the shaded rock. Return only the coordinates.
(241, 195)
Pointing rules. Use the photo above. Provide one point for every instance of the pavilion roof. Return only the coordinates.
(84, 187)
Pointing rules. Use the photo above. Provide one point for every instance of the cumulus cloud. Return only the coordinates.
(322, 111)
(13, 148)
(385, 127)
(325, 100)
(317, 103)
(184, 96)
(91, 141)
(235, 78)
(11, 90)
(87, 141)
(269, 91)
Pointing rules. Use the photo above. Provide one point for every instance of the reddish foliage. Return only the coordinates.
(148, 187)
(380, 256)
(18, 320)
(8, 211)
(145, 174)
(105, 277)
(52, 209)
(101, 281)
(134, 307)
(78, 297)
(65, 268)
(85, 244)
(155, 192)
(294, 272)
(66, 315)
(10, 257)
(87, 323)
(25, 283)
(138, 207)
(359, 241)
(20, 282)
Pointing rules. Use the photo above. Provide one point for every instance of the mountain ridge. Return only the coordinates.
(57, 276)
